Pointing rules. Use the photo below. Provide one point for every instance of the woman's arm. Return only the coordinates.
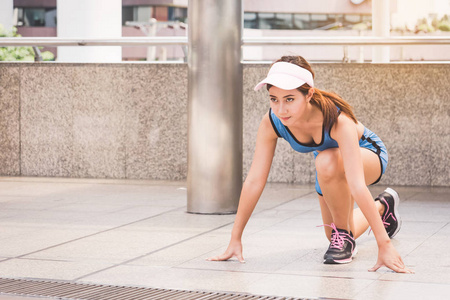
(266, 141)
(345, 133)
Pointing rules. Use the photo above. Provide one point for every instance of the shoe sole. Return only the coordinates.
(341, 261)
(396, 213)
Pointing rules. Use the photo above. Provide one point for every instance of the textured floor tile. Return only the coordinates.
(175, 278)
(403, 291)
(424, 273)
(31, 240)
(308, 286)
(312, 265)
(48, 269)
(145, 223)
(195, 250)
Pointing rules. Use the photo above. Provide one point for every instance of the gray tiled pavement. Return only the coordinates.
(137, 233)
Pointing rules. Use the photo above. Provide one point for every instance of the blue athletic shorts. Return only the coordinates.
(371, 141)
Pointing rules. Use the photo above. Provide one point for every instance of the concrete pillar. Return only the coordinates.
(215, 106)
(6, 14)
(89, 19)
(381, 28)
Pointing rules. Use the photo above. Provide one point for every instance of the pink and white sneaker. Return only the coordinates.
(391, 218)
(342, 248)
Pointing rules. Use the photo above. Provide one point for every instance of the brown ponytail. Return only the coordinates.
(325, 101)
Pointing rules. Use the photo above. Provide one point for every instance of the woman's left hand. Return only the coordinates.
(389, 257)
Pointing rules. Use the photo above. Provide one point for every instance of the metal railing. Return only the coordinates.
(346, 41)
(246, 41)
(124, 41)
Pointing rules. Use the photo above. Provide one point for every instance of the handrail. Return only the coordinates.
(347, 41)
(246, 41)
(124, 41)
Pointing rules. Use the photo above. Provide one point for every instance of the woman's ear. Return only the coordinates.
(310, 94)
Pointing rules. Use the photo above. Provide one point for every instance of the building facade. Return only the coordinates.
(261, 18)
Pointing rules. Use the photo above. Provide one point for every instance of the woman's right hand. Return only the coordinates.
(234, 250)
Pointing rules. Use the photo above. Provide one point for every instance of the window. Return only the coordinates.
(127, 14)
(142, 13)
(273, 21)
(178, 14)
(301, 21)
(318, 21)
(367, 18)
(350, 20)
(265, 20)
(136, 14)
(250, 20)
(36, 17)
(283, 21)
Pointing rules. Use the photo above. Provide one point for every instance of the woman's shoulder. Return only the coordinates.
(267, 126)
(343, 123)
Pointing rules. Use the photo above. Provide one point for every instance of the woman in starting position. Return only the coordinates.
(348, 157)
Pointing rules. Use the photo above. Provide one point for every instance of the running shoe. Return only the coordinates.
(391, 218)
(342, 247)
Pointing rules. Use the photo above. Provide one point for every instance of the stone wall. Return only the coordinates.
(130, 120)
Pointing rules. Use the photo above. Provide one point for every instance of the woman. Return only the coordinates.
(348, 157)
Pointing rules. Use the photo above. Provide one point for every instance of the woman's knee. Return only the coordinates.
(329, 164)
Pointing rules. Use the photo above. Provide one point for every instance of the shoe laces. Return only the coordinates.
(337, 238)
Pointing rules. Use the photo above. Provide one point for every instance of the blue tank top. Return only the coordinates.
(285, 133)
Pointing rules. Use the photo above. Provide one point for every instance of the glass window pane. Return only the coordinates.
(301, 21)
(142, 13)
(265, 20)
(127, 14)
(34, 17)
(283, 21)
(20, 17)
(318, 18)
(352, 19)
(50, 17)
(177, 14)
(366, 18)
(319, 21)
(250, 20)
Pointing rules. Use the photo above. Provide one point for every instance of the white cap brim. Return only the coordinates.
(287, 76)
(282, 81)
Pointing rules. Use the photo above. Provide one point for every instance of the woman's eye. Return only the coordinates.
(273, 99)
(289, 99)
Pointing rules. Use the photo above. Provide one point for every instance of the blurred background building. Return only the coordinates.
(262, 18)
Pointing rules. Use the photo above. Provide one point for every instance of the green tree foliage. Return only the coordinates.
(19, 53)
(442, 24)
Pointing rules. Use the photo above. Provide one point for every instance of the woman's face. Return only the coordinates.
(288, 105)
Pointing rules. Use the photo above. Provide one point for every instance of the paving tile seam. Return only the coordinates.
(219, 228)
(362, 289)
(286, 202)
(46, 259)
(248, 234)
(177, 208)
(284, 274)
(413, 281)
(90, 235)
(445, 225)
(153, 252)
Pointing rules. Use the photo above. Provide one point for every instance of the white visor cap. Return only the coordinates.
(287, 76)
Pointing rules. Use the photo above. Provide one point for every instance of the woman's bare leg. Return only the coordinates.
(337, 203)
